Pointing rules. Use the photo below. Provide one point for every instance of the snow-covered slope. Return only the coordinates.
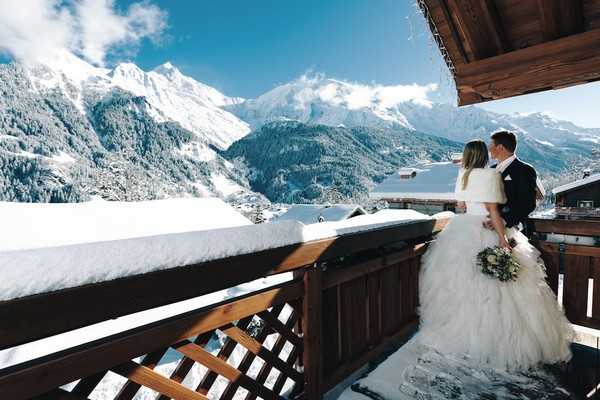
(172, 95)
(182, 99)
(68, 133)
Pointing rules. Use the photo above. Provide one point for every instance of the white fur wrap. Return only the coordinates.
(484, 186)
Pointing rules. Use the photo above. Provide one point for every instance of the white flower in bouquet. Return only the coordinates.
(498, 263)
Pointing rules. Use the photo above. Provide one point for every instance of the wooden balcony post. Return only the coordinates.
(311, 328)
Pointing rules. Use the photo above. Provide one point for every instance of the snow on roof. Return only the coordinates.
(434, 181)
(309, 213)
(406, 171)
(42, 264)
(576, 184)
(35, 225)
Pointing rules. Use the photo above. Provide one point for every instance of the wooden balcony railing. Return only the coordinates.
(351, 297)
(580, 265)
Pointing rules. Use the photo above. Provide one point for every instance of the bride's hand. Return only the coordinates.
(504, 243)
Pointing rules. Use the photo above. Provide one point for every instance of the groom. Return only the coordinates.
(519, 180)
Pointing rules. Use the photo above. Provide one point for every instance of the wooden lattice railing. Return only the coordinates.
(350, 298)
(246, 321)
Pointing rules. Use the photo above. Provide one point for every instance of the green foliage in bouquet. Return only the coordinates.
(498, 263)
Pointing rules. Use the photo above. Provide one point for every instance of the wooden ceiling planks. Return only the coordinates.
(503, 48)
(559, 18)
(521, 22)
(591, 12)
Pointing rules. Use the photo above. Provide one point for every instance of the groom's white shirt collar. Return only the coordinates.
(504, 164)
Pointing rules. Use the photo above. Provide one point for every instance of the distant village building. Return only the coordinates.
(407, 173)
(580, 198)
(456, 158)
(315, 213)
(427, 188)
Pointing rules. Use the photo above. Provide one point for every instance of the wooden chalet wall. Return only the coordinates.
(571, 198)
(503, 48)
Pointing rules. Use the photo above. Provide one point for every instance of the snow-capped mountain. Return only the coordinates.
(69, 133)
(468, 122)
(69, 129)
(551, 145)
(171, 95)
(319, 100)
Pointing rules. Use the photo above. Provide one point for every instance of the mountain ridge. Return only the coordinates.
(332, 102)
(61, 124)
(175, 97)
(51, 151)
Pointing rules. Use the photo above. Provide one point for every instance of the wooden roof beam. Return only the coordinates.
(562, 62)
(559, 18)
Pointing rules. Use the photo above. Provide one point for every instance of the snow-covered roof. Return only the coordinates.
(576, 184)
(433, 181)
(309, 213)
(406, 171)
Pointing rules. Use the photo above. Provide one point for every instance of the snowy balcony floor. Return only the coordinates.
(410, 373)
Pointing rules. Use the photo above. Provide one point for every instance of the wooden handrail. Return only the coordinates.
(570, 249)
(565, 226)
(38, 316)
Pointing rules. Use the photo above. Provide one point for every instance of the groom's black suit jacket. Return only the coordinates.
(519, 185)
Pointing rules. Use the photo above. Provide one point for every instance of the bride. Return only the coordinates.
(510, 325)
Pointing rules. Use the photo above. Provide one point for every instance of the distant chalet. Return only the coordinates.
(580, 198)
(313, 213)
(427, 187)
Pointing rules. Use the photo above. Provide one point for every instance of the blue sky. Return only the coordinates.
(247, 47)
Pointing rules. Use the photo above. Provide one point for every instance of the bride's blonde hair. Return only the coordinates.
(475, 155)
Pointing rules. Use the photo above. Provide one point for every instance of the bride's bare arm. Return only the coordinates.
(496, 221)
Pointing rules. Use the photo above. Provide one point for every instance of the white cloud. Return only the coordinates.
(357, 95)
(35, 32)
(42, 29)
(389, 96)
(101, 27)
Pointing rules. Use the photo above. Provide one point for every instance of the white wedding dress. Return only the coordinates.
(508, 325)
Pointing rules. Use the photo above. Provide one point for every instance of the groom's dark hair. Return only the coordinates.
(506, 139)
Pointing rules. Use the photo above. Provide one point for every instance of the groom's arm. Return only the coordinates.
(524, 201)
(530, 194)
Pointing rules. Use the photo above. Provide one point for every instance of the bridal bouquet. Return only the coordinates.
(498, 263)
